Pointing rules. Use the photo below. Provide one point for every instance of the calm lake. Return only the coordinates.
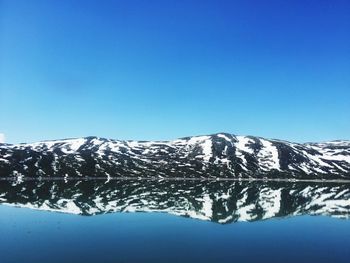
(174, 221)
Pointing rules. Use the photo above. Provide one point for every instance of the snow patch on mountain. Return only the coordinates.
(268, 156)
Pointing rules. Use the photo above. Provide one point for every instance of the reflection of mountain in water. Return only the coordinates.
(221, 202)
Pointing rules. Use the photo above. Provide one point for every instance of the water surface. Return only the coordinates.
(138, 221)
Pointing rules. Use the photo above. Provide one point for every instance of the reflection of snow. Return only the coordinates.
(218, 202)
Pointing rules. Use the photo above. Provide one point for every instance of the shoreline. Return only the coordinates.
(220, 179)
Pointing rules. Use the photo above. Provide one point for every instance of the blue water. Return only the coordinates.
(40, 236)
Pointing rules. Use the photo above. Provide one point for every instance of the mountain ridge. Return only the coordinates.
(184, 137)
(221, 155)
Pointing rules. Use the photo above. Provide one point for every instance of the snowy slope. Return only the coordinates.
(219, 155)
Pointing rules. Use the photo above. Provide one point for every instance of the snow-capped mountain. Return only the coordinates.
(219, 155)
(221, 202)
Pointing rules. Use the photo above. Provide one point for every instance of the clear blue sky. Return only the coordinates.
(167, 69)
